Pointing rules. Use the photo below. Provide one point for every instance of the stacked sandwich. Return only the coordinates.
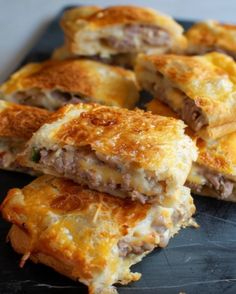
(117, 34)
(126, 198)
(202, 91)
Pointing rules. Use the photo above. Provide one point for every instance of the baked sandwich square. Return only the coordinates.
(92, 31)
(201, 89)
(214, 172)
(54, 83)
(127, 153)
(210, 35)
(17, 125)
(87, 235)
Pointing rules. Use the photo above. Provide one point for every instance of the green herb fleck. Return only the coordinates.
(35, 155)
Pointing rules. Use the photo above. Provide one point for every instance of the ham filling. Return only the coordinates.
(99, 173)
(192, 115)
(133, 245)
(135, 36)
(222, 186)
(51, 100)
(186, 107)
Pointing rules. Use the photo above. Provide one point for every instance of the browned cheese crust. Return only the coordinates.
(208, 36)
(92, 81)
(206, 84)
(214, 173)
(87, 235)
(20, 122)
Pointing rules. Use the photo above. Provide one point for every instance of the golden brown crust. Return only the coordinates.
(134, 136)
(75, 23)
(115, 15)
(62, 196)
(82, 12)
(211, 35)
(217, 155)
(209, 80)
(20, 122)
(21, 243)
(62, 225)
(130, 145)
(102, 83)
(159, 108)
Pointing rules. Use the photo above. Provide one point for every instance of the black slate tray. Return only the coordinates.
(196, 261)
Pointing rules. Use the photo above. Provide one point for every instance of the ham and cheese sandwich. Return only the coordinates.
(17, 125)
(127, 153)
(54, 83)
(200, 89)
(209, 36)
(214, 172)
(119, 31)
(87, 235)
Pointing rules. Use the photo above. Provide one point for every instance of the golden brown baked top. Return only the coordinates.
(219, 155)
(209, 80)
(97, 17)
(135, 137)
(77, 226)
(60, 196)
(211, 35)
(93, 31)
(159, 108)
(108, 84)
(87, 232)
(20, 122)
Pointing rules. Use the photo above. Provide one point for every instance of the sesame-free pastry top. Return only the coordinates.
(214, 172)
(201, 89)
(209, 36)
(127, 153)
(54, 83)
(95, 31)
(87, 235)
(17, 125)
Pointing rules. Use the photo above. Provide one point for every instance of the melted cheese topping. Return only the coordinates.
(67, 223)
